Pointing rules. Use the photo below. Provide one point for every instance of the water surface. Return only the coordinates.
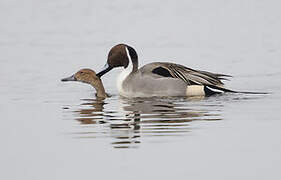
(55, 130)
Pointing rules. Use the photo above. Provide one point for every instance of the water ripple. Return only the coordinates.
(129, 122)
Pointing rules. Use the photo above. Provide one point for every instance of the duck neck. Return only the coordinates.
(133, 60)
(132, 67)
(135, 65)
(99, 88)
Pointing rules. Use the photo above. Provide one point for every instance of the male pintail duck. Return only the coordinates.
(160, 78)
(89, 76)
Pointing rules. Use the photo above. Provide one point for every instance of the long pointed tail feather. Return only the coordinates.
(232, 91)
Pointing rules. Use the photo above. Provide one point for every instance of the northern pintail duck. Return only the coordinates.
(159, 78)
(88, 76)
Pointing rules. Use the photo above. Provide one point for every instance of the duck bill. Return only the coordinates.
(104, 70)
(71, 78)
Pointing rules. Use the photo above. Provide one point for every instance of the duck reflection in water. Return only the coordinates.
(140, 119)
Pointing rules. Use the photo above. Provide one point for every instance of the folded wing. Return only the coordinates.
(190, 76)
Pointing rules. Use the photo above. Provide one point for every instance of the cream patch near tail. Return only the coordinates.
(195, 90)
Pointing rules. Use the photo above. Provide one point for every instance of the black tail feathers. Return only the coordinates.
(232, 91)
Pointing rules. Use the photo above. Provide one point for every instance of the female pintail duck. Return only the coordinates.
(160, 78)
(89, 76)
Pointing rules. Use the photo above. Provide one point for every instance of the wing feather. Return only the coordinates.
(191, 76)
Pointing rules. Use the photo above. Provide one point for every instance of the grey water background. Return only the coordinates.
(54, 130)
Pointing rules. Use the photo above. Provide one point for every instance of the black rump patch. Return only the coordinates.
(162, 72)
(209, 92)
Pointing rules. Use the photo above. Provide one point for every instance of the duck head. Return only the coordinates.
(84, 75)
(88, 76)
(120, 55)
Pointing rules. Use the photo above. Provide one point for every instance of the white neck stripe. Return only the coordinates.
(125, 73)
(128, 55)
